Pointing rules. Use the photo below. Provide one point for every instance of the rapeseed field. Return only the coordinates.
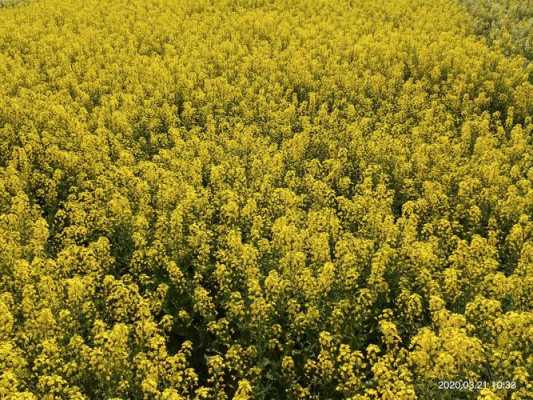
(266, 199)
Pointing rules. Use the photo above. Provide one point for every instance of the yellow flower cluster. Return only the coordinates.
(266, 199)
